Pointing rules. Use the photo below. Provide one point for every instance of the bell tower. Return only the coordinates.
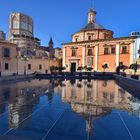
(51, 48)
(91, 14)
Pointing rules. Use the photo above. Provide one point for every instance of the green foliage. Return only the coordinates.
(105, 66)
(134, 67)
(85, 67)
(56, 69)
(123, 67)
(80, 68)
(52, 69)
(89, 68)
(61, 69)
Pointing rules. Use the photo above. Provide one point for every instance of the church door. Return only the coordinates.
(73, 67)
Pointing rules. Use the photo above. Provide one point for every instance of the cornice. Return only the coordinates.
(102, 41)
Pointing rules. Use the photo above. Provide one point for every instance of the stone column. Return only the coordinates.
(117, 54)
(64, 57)
(96, 57)
(83, 56)
(131, 53)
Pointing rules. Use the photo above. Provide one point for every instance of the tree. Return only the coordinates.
(118, 70)
(134, 67)
(61, 69)
(80, 68)
(105, 66)
(89, 68)
(84, 68)
(52, 69)
(56, 69)
(122, 66)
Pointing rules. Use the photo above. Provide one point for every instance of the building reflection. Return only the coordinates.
(93, 99)
(4, 97)
(135, 105)
(89, 98)
(96, 93)
(20, 99)
(22, 106)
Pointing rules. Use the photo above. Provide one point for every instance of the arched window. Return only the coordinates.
(15, 23)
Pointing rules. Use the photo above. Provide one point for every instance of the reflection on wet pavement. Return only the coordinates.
(68, 110)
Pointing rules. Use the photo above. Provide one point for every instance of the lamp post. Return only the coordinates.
(25, 59)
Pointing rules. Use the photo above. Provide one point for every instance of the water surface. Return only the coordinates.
(68, 110)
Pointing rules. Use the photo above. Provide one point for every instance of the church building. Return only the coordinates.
(94, 46)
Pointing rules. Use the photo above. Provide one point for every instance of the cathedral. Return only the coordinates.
(22, 53)
(94, 46)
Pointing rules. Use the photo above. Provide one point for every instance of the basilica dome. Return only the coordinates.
(92, 26)
(92, 31)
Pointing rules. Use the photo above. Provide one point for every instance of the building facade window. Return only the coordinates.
(106, 51)
(29, 66)
(113, 50)
(30, 28)
(90, 52)
(24, 25)
(74, 52)
(124, 49)
(6, 66)
(40, 67)
(15, 24)
(6, 52)
(89, 37)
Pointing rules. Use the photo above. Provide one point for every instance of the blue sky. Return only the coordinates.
(61, 18)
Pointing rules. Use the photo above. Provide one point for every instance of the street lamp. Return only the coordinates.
(25, 59)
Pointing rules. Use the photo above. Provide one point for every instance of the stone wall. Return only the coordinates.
(36, 63)
(98, 57)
